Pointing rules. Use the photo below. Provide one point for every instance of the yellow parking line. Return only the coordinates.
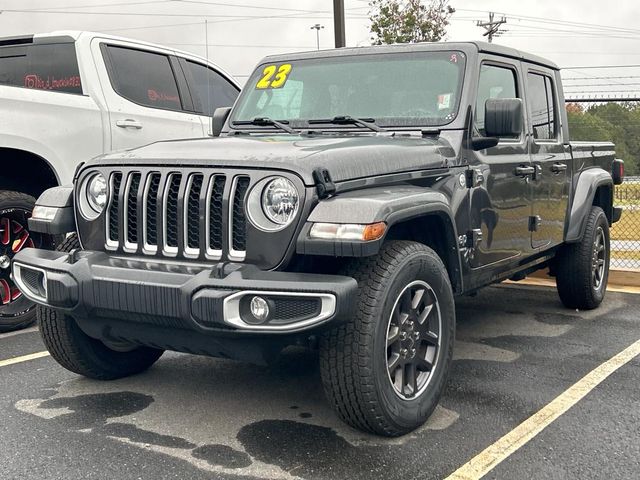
(24, 358)
(489, 458)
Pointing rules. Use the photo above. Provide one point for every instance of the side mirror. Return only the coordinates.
(220, 116)
(503, 117)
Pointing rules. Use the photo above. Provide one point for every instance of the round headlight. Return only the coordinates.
(280, 201)
(97, 192)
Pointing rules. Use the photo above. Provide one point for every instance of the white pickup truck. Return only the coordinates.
(66, 97)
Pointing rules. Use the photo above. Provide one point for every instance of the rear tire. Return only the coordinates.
(16, 311)
(582, 268)
(81, 354)
(378, 375)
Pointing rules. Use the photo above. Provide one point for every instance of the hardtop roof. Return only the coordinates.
(469, 48)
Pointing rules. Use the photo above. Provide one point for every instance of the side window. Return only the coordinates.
(495, 82)
(211, 89)
(542, 106)
(51, 67)
(145, 78)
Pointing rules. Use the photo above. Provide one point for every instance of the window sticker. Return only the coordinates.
(155, 96)
(274, 76)
(50, 82)
(444, 101)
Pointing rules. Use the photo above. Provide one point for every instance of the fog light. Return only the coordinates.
(259, 308)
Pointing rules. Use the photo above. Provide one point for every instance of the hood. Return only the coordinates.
(346, 157)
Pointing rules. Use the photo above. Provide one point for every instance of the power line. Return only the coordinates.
(600, 85)
(156, 14)
(602, 78)
(236, 45)
(257, 7)
(584, 67)
(555, 22)
(120, 4)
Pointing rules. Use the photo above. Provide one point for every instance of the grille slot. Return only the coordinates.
(238, 219)
(192, 214)
(151, 212)
(171, 213)
(214, 216)
(131, 211)
(114, 207)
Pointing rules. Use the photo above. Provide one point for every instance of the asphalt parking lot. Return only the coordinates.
(196, 417)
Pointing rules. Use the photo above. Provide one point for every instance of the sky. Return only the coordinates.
(572, 33)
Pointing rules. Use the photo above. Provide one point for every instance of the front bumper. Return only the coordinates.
(150, 302)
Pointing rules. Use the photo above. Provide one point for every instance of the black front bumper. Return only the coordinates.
(198, 309)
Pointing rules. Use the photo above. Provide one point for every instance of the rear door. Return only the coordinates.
(209, 88)
(147, 97)
(551, 181)
(501, 205)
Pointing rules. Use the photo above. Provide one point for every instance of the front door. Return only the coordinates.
(552, 161)
(501, 205)
(143, 95)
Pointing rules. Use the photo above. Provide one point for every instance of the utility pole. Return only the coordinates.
(317, 27)
(338, 23)
(492, 28)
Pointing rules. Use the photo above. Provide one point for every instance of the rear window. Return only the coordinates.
(145, 78)
(43, 67)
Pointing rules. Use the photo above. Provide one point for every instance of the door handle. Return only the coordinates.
(129, 123)
(525, 171)
(558, 167)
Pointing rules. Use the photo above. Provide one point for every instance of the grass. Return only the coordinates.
(625, 255)
(627, 194)
(628, 228)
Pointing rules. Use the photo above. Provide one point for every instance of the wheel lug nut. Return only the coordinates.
(404, 352)
(413, 352)
(416, 335)
(403, 335)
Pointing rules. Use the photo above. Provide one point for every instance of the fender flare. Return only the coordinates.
(392, 205)
(584, 193)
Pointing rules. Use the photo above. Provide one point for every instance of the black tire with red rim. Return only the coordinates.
(16, 311)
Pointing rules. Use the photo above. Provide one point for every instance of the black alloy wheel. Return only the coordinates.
(413, 339)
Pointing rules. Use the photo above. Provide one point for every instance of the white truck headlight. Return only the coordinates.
(280, 201)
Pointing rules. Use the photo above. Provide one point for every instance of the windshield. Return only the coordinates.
(393, 89)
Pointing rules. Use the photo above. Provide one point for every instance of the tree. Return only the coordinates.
(409, 21)
(610, 122)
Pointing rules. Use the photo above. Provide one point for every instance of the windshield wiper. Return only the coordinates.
(348, 120)
(265, 122)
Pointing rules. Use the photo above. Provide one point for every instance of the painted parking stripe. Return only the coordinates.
(24, 358)
(493, 455)
(19, 332)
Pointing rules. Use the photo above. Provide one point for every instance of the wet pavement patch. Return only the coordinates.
(304, 450)
(95, 409)
(222, 455)
(138, 435)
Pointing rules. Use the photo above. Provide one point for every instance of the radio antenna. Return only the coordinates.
(206, 46)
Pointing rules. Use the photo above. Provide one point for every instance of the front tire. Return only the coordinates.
(384, 370)
(81, 354)
(16, 310)
(582, 269)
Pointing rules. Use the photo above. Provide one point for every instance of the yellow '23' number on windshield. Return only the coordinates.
(281, 74)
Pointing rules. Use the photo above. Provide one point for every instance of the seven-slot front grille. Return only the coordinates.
(177, 214)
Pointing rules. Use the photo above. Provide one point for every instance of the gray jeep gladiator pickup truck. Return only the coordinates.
(349, 196)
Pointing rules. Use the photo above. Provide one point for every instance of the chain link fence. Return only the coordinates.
(618, 122)
(625, 235)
